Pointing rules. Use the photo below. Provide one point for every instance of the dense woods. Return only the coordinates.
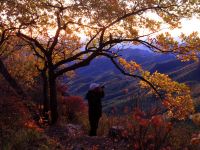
(43, 43)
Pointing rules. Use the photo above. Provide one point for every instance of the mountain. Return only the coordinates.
(101, 70)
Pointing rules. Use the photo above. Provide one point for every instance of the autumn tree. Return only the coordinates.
(50, 49)
(51, 29)
(6, 49)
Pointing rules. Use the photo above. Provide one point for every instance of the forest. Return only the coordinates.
(99, 75)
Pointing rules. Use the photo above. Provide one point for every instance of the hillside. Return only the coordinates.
(102, 70)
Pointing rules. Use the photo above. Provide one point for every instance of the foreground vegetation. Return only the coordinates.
(132, 130)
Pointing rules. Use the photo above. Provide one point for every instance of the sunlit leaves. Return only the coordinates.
(21, 65)
(186, 48)
(166, 42)
(190, 47)
(177, 96)
(131, 66)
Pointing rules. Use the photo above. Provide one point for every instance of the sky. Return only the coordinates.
(188, 26)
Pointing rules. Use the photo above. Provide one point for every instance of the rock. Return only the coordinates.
(74, 130)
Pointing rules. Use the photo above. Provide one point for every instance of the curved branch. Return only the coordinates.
(131, 75)
(88, 43)
(70, 59)
(83, 63)
(36, 42)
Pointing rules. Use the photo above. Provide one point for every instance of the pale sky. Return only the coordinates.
(188, 26)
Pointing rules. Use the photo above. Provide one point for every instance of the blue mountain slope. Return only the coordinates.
(101, 70)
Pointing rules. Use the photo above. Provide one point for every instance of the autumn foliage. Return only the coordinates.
(148, 132)
(176, 96)
(71, 107)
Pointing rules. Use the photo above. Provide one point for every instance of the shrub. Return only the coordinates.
(144, 132)
(72, 107)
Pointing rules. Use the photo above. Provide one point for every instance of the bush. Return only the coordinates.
(152, 132)
(72, 108)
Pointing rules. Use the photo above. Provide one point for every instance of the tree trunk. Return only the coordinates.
(12, 82)
(45, 93)
(53, 97)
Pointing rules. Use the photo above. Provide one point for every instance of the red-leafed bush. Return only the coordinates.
(155, 132)
(72, 107)
(144, 132)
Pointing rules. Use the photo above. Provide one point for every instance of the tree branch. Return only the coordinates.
(131, 75)
(70, 59)
(36, 42)
(83, 63)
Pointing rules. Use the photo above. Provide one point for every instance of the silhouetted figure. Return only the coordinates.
(94, 96)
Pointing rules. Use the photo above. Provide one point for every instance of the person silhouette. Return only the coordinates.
(94, 96)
